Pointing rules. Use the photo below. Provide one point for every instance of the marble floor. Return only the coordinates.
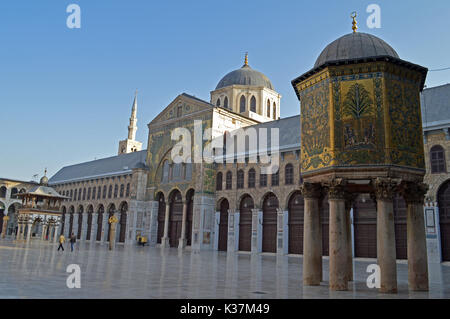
(38, 270)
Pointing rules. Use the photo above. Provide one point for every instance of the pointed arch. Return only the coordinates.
(253, 104)
(242, 103)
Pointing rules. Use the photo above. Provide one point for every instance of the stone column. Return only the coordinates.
(349, 198)
(66, 224)
(385, 189)
(104, 233)
(84, 226)
(75, 225)
(182, 241)
(153, 223)
(44, 231)
(232, 230)
(165, 238)
(112, 234)
(281, 243)
(50, 229)
(417, 246)
(29, 223)
(5, 225)
(56, 233)
(94, 228)
(312, 239)
(338, 236)
(256, 243)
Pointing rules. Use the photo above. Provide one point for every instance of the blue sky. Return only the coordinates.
(66, 94)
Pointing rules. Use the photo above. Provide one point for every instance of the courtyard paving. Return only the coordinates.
(38, 270)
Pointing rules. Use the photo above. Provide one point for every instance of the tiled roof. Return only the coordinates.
(288, 130)
(435, 103)
(104, 167)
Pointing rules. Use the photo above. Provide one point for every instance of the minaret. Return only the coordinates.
(132, 128)
(130, 144)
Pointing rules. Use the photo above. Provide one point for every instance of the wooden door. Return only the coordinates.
(99, 226)
(444, 220)
(324, 219)
(89, 226)
(365, 228)
(223, 225)
(161, 219)
(401, 238)
(295, 222)
(189, 213)
(123, 226)
(245, 224)
(175, 221)
(269, 236)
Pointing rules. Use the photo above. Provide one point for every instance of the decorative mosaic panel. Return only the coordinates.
(315, 129)
(358, 120)
(406, 137)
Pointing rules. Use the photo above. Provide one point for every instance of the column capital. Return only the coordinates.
(414, 193)
(385, 188)
(311, 190)
(336, 188)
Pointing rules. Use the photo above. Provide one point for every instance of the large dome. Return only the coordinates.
(355, 46)
(245, 76)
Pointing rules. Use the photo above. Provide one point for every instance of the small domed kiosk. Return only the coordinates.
(361, 133)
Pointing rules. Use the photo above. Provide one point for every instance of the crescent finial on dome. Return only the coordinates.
(354, 26)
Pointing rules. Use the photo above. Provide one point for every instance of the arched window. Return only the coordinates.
(218, 102)
(84, 193)
(242, 104)
(104, 192)
(75, 194)
(79, 194)
(3, 192)
(276, 178)
(274, 111)
(251, 178)
(116, 190)
(14, 192)
(71, 194)
(110, 191)
(219, 181)
(225, 102)
(89, 193)
(268, 108)
(99, 192)
(128, 190)
(165, 173)
(253, 104)
(240, 179)
(437, 159)
(229, 180)
(289, 174)
(122, 189)
(93, 192)
(263, 180)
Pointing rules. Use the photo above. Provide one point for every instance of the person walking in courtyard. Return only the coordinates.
(73, 239)
(62, 240)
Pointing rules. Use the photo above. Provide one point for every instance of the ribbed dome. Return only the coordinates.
(44, 181)
(354, 46)
(245, 76)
